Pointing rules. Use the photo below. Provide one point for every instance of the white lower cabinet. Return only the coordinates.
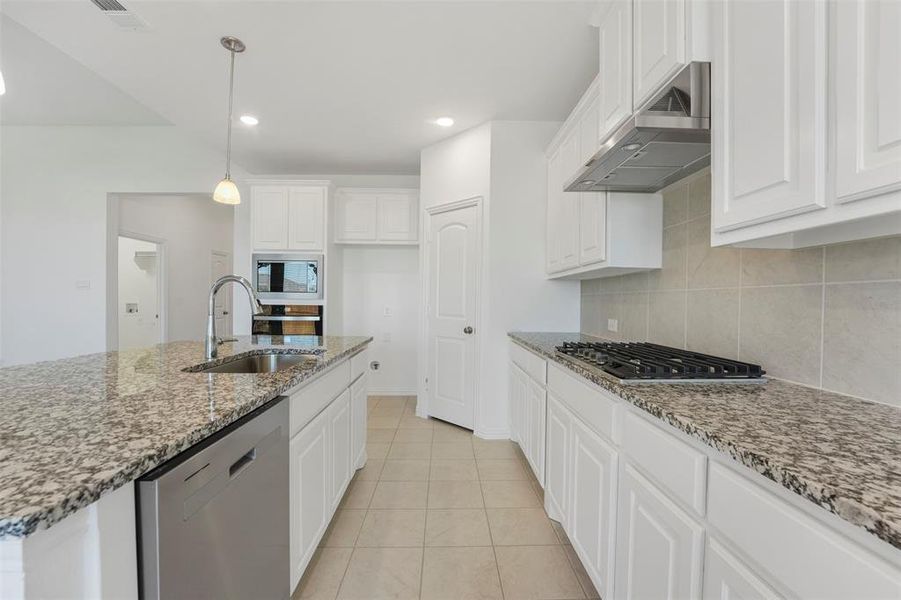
(536, 402)
(358, 410)
(340, 447)
(726, 577)
(659, 547)
(556, 461)
(309, 501)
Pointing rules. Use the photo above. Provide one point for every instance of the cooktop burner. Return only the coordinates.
(644, 362)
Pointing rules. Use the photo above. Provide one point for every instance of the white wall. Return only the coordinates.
(381, 299)
(504, 163)
(190, 227)
(54, 183)
(138, 285)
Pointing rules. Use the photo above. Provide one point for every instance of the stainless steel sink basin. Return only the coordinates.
(260, 363)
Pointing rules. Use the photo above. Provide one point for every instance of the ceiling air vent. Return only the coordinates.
(119, 15)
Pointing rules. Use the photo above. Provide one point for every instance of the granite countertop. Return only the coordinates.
(840, 452)
(72, 430)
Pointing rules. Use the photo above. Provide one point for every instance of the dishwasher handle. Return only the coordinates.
(242, 463)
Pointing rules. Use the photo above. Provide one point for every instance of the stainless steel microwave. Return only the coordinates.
(288, 278)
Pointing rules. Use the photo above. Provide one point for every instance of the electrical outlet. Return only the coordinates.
(388, 312)
(612, 325)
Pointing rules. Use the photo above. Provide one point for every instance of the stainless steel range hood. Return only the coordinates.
(667, 139)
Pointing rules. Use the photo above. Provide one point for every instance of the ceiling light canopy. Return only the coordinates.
(226, 191)
(249, 120)
(444, 121)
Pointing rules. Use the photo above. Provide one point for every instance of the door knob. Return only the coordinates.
(467, 330)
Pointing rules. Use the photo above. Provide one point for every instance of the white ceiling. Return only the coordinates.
(339, 87)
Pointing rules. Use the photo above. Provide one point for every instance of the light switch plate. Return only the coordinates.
(612, 325)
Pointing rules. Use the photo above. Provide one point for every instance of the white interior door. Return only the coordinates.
(221, 265)
(454, 257)
(139, 280)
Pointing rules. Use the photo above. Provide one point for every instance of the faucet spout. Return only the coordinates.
(211, 349)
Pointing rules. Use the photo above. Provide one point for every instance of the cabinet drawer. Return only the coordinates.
(533, 365)
(309, 401)
(678, 467)
(593, 406)
(798, 552)
(359, 362)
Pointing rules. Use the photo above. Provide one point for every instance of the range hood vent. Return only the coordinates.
(664, 141)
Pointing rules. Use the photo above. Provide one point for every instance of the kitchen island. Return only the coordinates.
(79, 430)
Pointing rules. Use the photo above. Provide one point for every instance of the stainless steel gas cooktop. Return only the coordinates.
(644, 362)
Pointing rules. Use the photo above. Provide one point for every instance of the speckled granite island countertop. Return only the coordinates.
(74, 429)
(837, 451)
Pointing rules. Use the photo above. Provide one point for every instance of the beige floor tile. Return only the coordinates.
(323, 575)
(380, 435)
(421, 436)
(392, 528)
(520, 527)
(386, 410)
(383, 573)
(377, 450)
(344, 528)
(453, 470)
(495, 449)
(408, 422)
(452, 450)
(460, 574)
(383, 422)
(409, 451)
(400, 494)
(457, 527)
(509, 494)
(358, 494)
(561, 535)
(455, 494)
(372, 402)
(581, 573)
(536, 573)
(501, 470)
(410, 409)
(405, 470)
(371, 471)
(394, 401)
(447, 433)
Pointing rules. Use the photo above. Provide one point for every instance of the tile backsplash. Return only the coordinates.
(828, 316)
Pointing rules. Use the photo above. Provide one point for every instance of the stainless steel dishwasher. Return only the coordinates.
(213, 521)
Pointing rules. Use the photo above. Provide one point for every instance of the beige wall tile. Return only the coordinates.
(666, 321)
(590, 287)
(455, 494)
(864, 260)
(780, 330)
(709, 267)
(392, 528)
(536, 573)
(699, 197)
(862, 340)
(672, 275)
(457, 527)
(323, 575)
(772, 267)
(633, 321)
(381, 573)
(460, 573)
(675, 206)
(633, 282)
(713, 322)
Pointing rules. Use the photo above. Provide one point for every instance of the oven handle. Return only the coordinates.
(285, 318)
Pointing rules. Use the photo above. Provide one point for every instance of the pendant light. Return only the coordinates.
(226, 191)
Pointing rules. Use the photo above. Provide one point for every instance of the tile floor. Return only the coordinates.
(439, 514)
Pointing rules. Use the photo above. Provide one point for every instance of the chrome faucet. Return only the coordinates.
(212, 341)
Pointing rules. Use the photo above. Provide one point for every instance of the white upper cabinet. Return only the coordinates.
(592, 227)
(867, 87)
(658, 45)
(288, 217)
(371, 216)
(769, 100)
(615, 67)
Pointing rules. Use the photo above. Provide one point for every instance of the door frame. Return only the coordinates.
(230, 261)
(112, 282)
(423, 393)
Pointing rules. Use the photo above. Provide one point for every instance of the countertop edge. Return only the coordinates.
(22, 526)
(848, 509)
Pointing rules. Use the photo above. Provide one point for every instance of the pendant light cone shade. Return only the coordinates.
(226, 191)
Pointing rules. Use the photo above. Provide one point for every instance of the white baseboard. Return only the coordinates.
(492, 434)
(376, 392)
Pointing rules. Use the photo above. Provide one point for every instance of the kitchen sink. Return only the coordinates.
(269, 362)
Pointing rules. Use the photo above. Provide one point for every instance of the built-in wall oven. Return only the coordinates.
(289, 319)
(288, 278)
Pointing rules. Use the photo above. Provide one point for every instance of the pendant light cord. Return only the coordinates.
(231, 93)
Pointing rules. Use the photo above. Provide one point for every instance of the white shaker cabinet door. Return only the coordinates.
(615, 68)
(340, 446)
(659, 548)
(309, 495)
(306, 218)
(269, 205)
(359, 407)
(557, 460)
(658, 45)
(867, 87)
(592, 227)
(591, 520)
(398, 218)
(536, 401)
(356, 217)
(769, 99)
(554, 212)
(726, 577)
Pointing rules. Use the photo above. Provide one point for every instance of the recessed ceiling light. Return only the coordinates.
(249, 120)
(444, 121)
